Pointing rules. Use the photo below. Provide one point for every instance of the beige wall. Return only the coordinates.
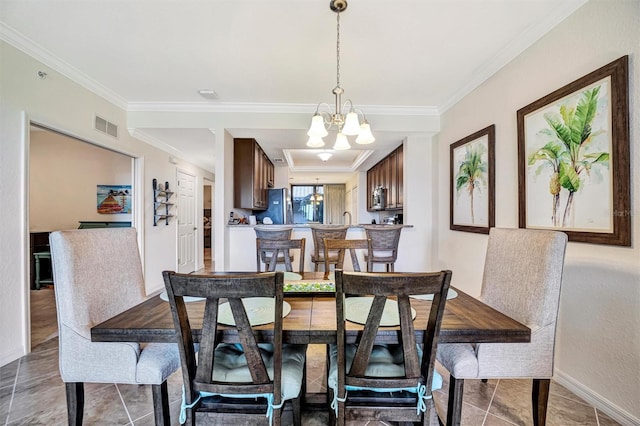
(58, 103)
(598, 338)
(64, 173)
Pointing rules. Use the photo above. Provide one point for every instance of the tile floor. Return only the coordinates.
(31, 393)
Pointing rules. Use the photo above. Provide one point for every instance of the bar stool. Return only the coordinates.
(384, 245)
(319, 233)
(272, 232)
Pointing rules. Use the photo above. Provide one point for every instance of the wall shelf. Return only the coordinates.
(161, 204)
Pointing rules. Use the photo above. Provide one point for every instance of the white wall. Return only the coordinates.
(63, 192)
(598, 338)
(61, 104)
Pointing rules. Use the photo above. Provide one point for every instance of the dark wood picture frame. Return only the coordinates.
(615, 164)
(483, 228)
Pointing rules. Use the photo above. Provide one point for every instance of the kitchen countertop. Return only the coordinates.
(307, 226)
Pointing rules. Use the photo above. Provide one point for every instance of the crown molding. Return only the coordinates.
(274, 108)
(326, 167)
(513, 50)
(39, 53)
(155, 142)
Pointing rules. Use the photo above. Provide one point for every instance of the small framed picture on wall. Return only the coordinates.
(472, 200)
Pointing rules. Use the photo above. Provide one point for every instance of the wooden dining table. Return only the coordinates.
(313, 320)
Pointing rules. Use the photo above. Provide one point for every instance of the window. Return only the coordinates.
(308, 203)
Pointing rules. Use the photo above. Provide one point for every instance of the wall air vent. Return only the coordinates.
(106, 127)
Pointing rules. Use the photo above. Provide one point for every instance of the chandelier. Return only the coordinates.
(348, 124)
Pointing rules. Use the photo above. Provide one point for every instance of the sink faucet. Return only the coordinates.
(347, 213)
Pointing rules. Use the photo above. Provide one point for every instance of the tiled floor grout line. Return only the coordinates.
(493, 395)
(572, 400)
(13, 391)
(126, 410)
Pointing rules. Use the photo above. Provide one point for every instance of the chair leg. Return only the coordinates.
(539, 399)
(297, 410)
(75, 402)
(454, 407)
(161, 404)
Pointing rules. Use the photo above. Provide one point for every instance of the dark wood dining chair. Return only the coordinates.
(341, 246)
(370, 380)
(237, 383)
(277, 249)
(319, 233)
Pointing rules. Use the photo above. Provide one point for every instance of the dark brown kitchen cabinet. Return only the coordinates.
(400, 177)
(253, 174)
(389, 174)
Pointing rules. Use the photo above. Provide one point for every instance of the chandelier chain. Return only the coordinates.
(338, 50)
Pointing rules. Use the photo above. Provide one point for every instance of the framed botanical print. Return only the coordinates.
(471, 201)
(573, 159)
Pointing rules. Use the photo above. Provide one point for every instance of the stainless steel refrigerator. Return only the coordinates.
(279, 209)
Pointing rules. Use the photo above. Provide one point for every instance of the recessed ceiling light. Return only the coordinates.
(208, 94)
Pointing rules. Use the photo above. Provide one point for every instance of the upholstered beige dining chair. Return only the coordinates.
(522, 278)
(98, 275)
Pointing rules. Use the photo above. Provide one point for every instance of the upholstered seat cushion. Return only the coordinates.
(381, 257)
(231, 366)
(385, 361)
(333, 257)
(157, 362)
(459, 359)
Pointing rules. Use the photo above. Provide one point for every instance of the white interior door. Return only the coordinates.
(186, 222)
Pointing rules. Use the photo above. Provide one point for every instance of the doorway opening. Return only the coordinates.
(207, 230)
(66, 175)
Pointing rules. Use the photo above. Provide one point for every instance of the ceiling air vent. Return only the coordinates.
(106, 127)
(278, 160)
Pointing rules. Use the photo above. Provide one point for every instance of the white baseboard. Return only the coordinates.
(610, 409)
(8, 357)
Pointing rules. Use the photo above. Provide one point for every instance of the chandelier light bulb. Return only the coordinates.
(351, 125)
(365, 136)
(342, 143)
(317, 128)
(324, 156)
(315, 142)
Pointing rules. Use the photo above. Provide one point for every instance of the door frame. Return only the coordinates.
(137, 218)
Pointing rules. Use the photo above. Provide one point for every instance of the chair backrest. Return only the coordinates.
(385, 239)
(341, 246)
(198, 372)
(523, 274)
(320, 232)
(270, 232)
(399, 286)
(98, 274)
(273, 247)
(273, 232)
